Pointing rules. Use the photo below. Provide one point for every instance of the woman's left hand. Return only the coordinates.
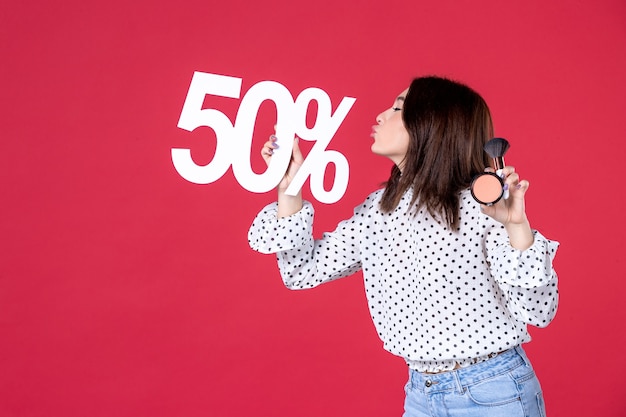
(511, 212)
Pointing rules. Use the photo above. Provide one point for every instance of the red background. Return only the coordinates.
(127, 291)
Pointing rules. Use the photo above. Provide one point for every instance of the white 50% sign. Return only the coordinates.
(234, 141)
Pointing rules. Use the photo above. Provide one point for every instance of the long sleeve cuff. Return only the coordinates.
(530, 268)
(270, 234)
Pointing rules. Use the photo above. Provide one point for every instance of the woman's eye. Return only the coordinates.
(396, 108)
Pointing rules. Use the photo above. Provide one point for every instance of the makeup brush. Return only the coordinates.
(496, 148)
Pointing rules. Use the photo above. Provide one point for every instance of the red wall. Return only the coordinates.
(126, 290)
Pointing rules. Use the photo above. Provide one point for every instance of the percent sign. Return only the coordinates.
(318, 158)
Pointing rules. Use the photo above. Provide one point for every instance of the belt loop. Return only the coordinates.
(520, 351)
(457, 380)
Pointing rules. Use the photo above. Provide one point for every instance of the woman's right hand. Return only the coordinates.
(295, 163)
(287, 204)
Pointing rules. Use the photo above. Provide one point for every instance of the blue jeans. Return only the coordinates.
(504, 386)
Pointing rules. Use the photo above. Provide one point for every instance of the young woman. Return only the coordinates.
(451, 284)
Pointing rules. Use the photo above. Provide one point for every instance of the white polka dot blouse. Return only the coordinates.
(437, 297)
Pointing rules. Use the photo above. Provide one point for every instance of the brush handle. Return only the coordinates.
(505, 189)
(498, 163)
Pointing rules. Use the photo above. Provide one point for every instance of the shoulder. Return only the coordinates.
(372, 201)
(375, 196)
(370, 207)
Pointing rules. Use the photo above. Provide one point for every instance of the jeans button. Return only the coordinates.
(428, 383)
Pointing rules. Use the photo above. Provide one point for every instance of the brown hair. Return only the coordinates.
(448, 124)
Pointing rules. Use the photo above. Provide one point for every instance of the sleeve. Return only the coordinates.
(304, 262)
(527, 278)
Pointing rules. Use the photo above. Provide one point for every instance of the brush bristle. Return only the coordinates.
(497, 147)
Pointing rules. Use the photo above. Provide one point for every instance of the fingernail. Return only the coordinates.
(275, 145)
(505, 187)
(518, 186)
(273, 138)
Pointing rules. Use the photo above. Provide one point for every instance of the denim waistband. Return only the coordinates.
(456, 380)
